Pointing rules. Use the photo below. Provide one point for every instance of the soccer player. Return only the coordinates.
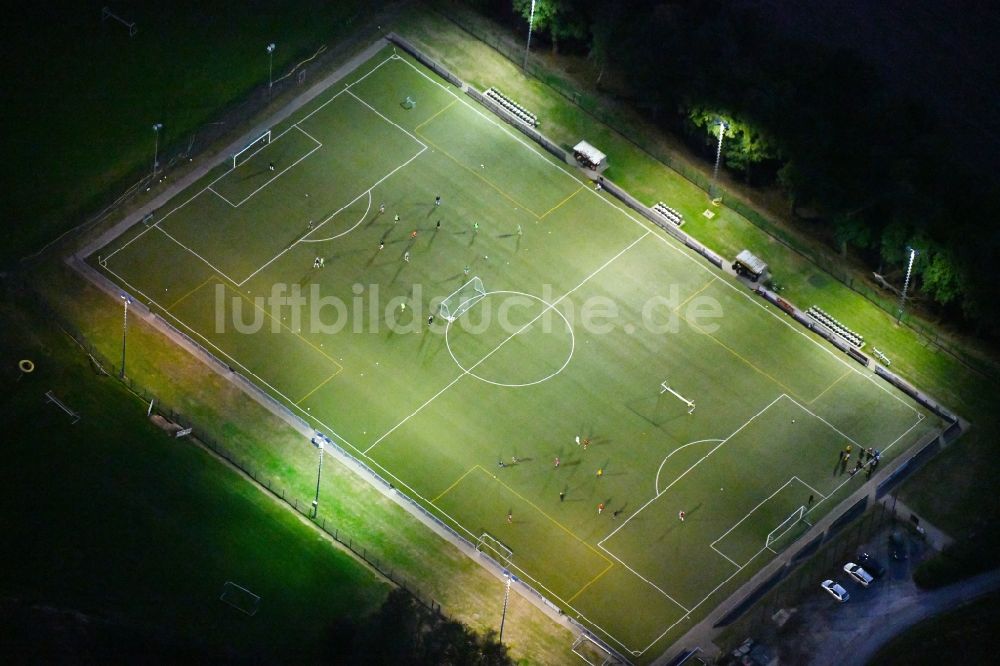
(395, 219)
(681, 515)
(600, 472)
(519, 231)
(555, 463)
(270, 166)
(381, 208)
(510, 517)
(413, 234)
(381, 245)
(578, 440)
(439, 224)
(437, 200)
(600, 508)
(430, 319)
(406, 256)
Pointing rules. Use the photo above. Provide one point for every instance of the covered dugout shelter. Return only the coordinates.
(590, 157)
(749, 265)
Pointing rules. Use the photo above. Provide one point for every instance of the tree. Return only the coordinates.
(743, 147)
(561, 19)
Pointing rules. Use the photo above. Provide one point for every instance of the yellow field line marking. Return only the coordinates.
(282, 325)
(207, 280)
(686, 300)
(476, 174)
(592, 581)
(582, 188)
(318, 387)
(556, 522)
(739, 356)
(448, 489)
(453, 102)
(835, 382)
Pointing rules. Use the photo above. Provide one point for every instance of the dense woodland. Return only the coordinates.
(866, 159)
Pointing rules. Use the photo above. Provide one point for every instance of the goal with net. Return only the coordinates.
(251, 148)
(459, 301)
(786, 525)
(488, 545)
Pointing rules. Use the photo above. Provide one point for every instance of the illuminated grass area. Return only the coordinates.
(533, 365)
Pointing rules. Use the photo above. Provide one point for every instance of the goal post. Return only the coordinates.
(665, 388)
(252, 148)
(786, 525)
(459, 301)
(491, 546)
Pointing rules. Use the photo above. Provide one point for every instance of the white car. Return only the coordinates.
(860, 576)
(835, 590)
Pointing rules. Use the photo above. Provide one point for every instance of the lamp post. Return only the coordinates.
(270, 68)
(156, 145)
(127, 301)
(906, 284)
(718, 158)
(506, 597)
(319, 475)
(531, 22)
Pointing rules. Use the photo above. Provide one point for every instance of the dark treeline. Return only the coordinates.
(867, 162)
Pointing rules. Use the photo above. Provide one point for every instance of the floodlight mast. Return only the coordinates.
(712, 192)
(127, 301)
(156, 146)
(506, 597)
(531, 22)
(906, 284)
(270, 68)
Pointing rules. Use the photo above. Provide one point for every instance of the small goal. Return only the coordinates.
(786, 525)
(593, 652)
(252, 149)
(240, 598)
(459, 301)
(488, 545)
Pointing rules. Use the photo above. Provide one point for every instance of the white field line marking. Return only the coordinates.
(762, 503)
(185, 247)
(820, 418)
(332, 215)
(813, 490)
(656, 488)
(851, 478)
(510, 337)
(346, 88)
(342, 233)
(379, 113)
(719, 552)
(663, 238)
(689, 469)
(671, 243)
(272, 179)
(137, 237)
(647, 581)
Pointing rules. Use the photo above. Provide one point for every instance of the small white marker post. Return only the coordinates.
(664, 388)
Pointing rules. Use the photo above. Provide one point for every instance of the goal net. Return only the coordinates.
(251, 149)
(492, 547)
(785, 526)
(458, 302)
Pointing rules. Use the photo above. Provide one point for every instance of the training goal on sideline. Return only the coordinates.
(592, 652)
(490, 546)
(252, 148)
(240, 598)
(665, 388)
(785, 526)
(459, 301)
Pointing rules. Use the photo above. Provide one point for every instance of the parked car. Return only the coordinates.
(836, 590)
(860, 576)
(871, 565)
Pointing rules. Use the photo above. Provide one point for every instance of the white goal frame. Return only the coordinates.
(665, 388)
(264, 136)
(797, 515)
(452, 313)
(494, 545)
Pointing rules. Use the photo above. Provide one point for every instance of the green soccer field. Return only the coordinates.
(588, 315)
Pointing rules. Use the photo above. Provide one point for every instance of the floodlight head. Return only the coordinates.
(270, 47)
(157, 127)
(126, 298)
